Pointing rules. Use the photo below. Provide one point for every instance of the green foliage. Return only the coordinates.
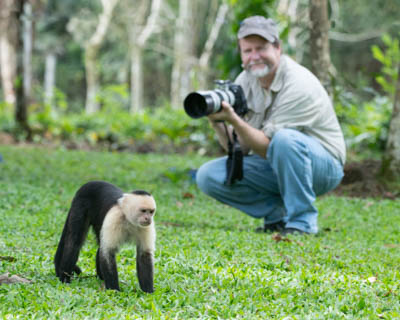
(159, 129)
(6, 116)
(244, 9)
(162, 129)
(113, 97)
(357, 17)
(366, 123)
(210, 264)
(389, 57)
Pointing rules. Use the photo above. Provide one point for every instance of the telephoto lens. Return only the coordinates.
(202, 103)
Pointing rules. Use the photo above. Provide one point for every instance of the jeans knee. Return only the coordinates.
(283, 142)
(204, 179)
(201, 178)
(284, 137)
(211, 175)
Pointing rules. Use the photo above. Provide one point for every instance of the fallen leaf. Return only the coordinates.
(388, 293)
(167, 223)
(278, 237)
(188, 195)
(389, 195)
(368, 204)
(4, 278)
(391, 245)
(179, 204)
(299, 243)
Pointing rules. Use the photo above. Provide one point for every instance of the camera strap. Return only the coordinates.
(230, 144)
(234, 162)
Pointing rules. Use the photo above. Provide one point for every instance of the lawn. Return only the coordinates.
(210, 264)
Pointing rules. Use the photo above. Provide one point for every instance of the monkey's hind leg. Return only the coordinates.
(77, 270)
(57, 261)
(71, 242)
(60, 251)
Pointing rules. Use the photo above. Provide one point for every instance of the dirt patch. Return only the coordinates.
(362, 180)
(6, 138)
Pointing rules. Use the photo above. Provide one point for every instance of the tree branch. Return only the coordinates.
(354, 37)
(151, 23)
(219, 21)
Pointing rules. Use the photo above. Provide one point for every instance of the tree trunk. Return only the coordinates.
(180, 78)
(208, 47)
(27, 34)
(8, 49)
(21, 114)
(139, 37)
(49, 77)
(92, 79)
(293, 13)
(319, 42)
(91, 49)
(191, 67)
(136, 79)
(391, 157)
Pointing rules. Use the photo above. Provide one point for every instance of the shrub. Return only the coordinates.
(159, 129)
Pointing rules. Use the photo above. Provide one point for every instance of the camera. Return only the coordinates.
(202, 103)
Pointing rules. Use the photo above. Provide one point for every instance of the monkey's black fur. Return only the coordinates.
(89, 207)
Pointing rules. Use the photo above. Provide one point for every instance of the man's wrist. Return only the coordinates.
(215, 122)
(236, 120)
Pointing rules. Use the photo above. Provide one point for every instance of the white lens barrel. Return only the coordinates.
(225, 95)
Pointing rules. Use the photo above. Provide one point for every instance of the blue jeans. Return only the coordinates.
(282, 187)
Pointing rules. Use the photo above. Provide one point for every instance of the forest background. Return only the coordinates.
(112, 74)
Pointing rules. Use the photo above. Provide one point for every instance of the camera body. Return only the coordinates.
(202, 103)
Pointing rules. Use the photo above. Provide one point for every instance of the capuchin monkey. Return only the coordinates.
(116, 218)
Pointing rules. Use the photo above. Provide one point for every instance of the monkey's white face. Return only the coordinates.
(139, 210)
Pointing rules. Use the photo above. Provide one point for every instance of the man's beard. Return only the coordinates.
(258, 72)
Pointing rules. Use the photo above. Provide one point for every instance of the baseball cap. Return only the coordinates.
(261, 26)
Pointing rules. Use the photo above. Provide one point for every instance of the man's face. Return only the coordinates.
(259, 57)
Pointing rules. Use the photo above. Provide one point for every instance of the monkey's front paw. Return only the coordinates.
(148, 289)
(65, 277)
(113, 287)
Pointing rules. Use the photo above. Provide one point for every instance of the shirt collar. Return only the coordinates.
(277, 83)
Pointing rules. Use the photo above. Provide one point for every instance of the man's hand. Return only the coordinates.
(225, 114)
(249, 137)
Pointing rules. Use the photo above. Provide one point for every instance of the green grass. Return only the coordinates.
(209, 262)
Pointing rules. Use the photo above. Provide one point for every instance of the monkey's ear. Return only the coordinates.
(121, 200)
